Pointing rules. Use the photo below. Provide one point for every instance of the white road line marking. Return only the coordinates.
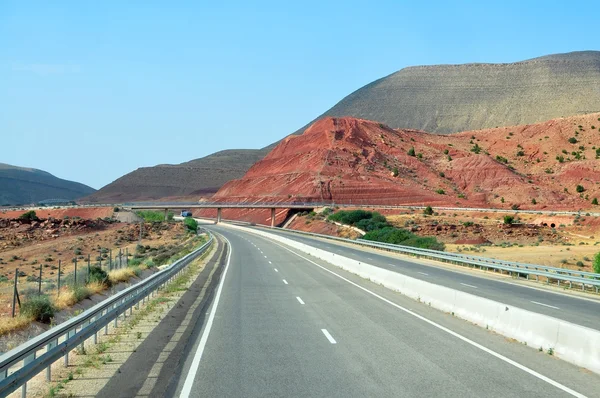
(464, 284)
(422, 273)
(329, 337)
(450, 332)
(284, 281)
(369, 258)
(546, 305)
(189, 379)
(300, 300)
(275, 269)
(270, 262)
(393, 265)
(265, 256)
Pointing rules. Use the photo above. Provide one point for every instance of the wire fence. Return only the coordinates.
(50, 281)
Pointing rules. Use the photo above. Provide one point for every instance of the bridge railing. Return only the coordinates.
(21, 364)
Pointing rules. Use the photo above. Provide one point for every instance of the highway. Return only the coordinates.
(282, 324)
(585, 312)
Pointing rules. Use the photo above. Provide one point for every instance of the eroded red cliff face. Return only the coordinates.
(348, 160)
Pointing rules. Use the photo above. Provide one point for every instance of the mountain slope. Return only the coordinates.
(451, 98)
(199, 177)
(439, 99)
(20, 185)
(348, 160)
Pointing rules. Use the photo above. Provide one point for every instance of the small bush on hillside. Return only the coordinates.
(191, 224)
(98, 275)
(509, 219)
(595, 201)
(428, 211)
(411, 151)
(403, 237)
(440, 191)
(38, 307)
(579, 188)
(395, 172)
(573, 140)
(29, 215)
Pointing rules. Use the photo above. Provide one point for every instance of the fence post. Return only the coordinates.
(120, 257)
(75, 281)
(40, 281)
(126, 257)
(15, 293)
(58, 283)
(109, 259)
(88, 275)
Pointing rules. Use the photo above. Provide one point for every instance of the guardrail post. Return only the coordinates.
(49, 368)
(40, 281)
(109, 259)
(75, 280)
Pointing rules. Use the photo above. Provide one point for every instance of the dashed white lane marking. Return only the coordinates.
(275, 269)
(465, 284)
(546, 305)
(284, 281)
(393, 265)
(265, 256)
(423, 273)
(270, 262)
(329, 337)
(300, 300)
(449, 331)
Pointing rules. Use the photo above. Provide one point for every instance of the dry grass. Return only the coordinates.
(121, 275)
(8, 325)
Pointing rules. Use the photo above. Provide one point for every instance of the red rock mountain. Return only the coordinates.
(349, 160)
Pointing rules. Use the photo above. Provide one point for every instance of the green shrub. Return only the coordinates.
(29, 215)
(428, 211)
(597, 263)
(151, 215)
(476, 149)
(411, 151)
(80, 293)
(533, 201)
(38, 307)
(595, 201)
(573, 140)
(395, 172)
(579, 188)
(403, 237)
(509, 219)
(191, 224)
(97, 274)
(440, 191)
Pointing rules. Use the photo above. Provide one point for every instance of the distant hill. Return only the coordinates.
(451, 98)
(439, 99)
(196, 178)
(20, 185)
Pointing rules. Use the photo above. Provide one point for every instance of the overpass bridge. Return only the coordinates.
(224, 205)
(166, 206)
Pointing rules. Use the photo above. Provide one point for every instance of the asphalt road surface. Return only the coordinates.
(582, 311)
(284, 325)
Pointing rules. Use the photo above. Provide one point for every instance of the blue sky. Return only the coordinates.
(93, 90)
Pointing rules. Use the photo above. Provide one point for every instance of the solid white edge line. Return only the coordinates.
(284, 281)
(299, 300)
(329, 336)
(189, 379)
(422, 273)
(545, 305)
(451, 332)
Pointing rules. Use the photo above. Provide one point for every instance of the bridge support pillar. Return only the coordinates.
(166, 214)
(272, 217)
(218, 215)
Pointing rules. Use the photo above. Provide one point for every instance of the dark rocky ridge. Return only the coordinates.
(20, 185)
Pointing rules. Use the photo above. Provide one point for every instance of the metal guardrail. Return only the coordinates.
(550, 273)
(42, 351)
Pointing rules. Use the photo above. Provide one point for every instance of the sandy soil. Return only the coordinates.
(45, 212)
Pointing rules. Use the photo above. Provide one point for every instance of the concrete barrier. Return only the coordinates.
(573, 343)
